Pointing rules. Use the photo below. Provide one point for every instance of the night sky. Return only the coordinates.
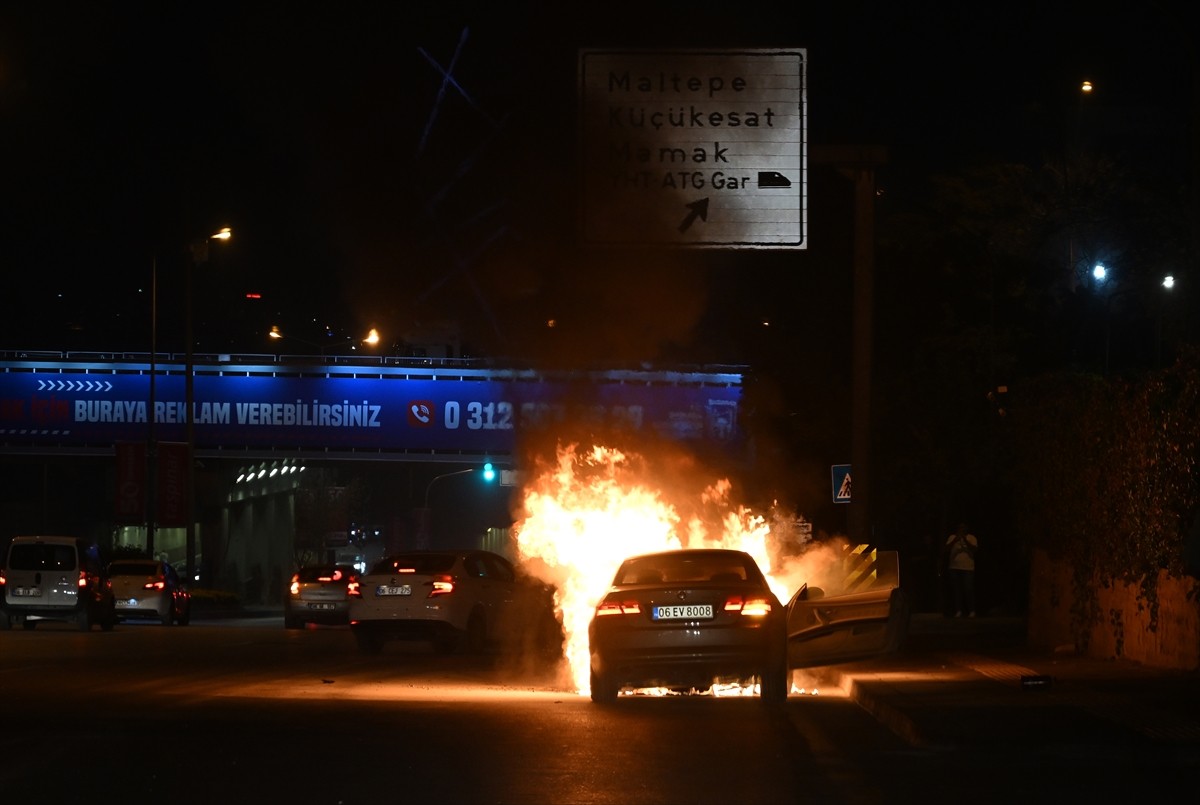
(360, 198)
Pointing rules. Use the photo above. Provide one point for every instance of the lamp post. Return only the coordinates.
(1166, 285)
(426, 514)
(151, 509)
(199, 255)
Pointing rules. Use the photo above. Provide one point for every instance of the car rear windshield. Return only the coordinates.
(132, 569)
(728, 568)
(324, 573)
(42, 556)
(416, 563)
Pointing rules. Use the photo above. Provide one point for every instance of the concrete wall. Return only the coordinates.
(1124, 628)
(259, 556)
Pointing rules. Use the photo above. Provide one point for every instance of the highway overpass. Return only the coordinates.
(264, 406)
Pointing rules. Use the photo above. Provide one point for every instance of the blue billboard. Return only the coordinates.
(63, 404)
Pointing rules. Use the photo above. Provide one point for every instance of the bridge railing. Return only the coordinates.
(239, 358)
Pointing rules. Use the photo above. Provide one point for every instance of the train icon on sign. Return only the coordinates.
(773, 179)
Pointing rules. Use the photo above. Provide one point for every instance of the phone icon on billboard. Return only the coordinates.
(420, 414)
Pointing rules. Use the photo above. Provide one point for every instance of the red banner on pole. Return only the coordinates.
(130, 502)
(172, 484)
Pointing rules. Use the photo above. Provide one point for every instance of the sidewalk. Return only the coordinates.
(973, 682)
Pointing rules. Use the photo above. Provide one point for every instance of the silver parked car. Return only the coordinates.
(319, 594)
(149, 589)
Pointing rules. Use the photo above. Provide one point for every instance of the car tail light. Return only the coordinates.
(750, 607)
(3, 579)
(618, 608)
(82, 581)
(154, 585)
(442, 585)
(352, 588)
(294, 588)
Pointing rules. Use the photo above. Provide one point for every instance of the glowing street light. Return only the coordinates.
(277, 334)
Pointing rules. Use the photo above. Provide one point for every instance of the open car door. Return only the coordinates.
(868, 619)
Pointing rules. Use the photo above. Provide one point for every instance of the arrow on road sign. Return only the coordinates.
(697, 208)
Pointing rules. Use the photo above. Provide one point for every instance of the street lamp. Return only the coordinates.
(199, 255)
(487, 472)
(151, 510)
(371, 339)
(1166, 285)
(426, 530)
(440, 477)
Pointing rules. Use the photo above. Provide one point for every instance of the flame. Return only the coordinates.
(588, 510)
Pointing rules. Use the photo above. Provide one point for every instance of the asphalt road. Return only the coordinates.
(247, 711)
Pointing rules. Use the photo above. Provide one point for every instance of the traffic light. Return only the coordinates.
(489, 472)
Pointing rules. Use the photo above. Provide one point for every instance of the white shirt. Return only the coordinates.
(962, 551)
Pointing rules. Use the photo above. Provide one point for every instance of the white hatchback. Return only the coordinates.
(149, 589)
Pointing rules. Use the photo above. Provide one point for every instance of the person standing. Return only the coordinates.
(960, 562)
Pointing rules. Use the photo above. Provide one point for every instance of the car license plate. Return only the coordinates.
(28, 592)
(400, 589)
(677, 612)
(320, 606)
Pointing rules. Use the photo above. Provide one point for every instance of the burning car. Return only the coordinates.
(690, 619)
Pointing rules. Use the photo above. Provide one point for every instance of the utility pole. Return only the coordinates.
(858, 164)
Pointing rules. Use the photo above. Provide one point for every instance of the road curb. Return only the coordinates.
(887, 715)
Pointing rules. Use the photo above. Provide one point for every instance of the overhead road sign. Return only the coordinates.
(694, 148)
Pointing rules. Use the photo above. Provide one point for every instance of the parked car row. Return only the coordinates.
(468, 601)
(52, 578)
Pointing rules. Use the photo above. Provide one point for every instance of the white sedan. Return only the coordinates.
(468, 600)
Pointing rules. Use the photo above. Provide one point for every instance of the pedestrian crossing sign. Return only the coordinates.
(841, 483)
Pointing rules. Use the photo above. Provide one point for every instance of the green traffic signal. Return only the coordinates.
(489, 472)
